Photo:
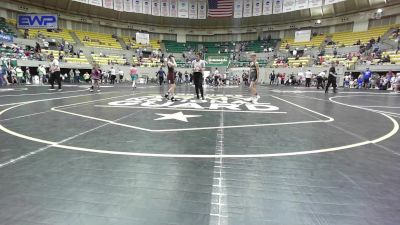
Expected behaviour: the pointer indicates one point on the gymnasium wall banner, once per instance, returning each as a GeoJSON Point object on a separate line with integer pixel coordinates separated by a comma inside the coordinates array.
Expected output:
{"type": "Point", "coordinates": [128, 5]}
{"type": "Point", "coordinates": [257, 7]}
{"type": "Point", "coordinates": [119, 5]}
{"type": "Point", "coordinates": [173, 8]}
{"type": "Point", "coordinates": [6, 38]}
{"type": "Point", "coordinates": [37, 21]}
{"type": "Point", "coordinates": [201, 9]}
{"type": "Point", "coordinates": [277, 8]}
{"type": "Point", "coordinates": [164, 8]}
{"type": "Point", "coordinates": [147, 7]}
{"type": "Point", "coordinates": [302, 36]}
{"type": "Point", "coordinates": [137, 6]}
{"type": "Point", "coordinates": [142, 38]}
{"type": "Point", "coordinates": [192, 9]}
{"type": "Point", "coordinates": [267, 7]}
{"type": "Point", "coordinates": [301, 4]}
{"type": "Point", "coordinates": [328, 2]}
{"type": "Point", "coordinates": [288, 5]}
{"type": "Point", "coordinates": [217, 60]}
{"type": "Point", "coordinates": [96, 2]}
{"type": "Point", "coordinates": [247, 8]}
{"type": "Point", "coordinates": [155, 7]}
{"type": "Point", "coordinates": [238, 9]}
{"type": "Point", "coordinates": [109, 4]}
{"type": "Point", "coordinates": [314, 3]}
{"type": "Point", "coordinates": [197, 9]}
{"type": "Point", "coordinates": [82, 1]}
{"type": "Point", "coordinates": [183, 8]}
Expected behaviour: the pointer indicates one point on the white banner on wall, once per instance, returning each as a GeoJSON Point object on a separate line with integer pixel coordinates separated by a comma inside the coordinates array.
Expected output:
{"type": "Point", "coordinates": [314, 3]}
{"type": "Point", "coordinates": [267, 7]}
{"type": "Point", "coordinates": [192, 9]}
{"type": "Point", "coordinates": [327, 2]}
{"type": "Point", "coordinates": [137, 6]}
{"type": "Point", "coordinates": [247, 8]}
{"type": "Point", "coordinates": [83, 1]}
{"type": "Point", "coordinates": [183, 8]}
{"type": "Point", "coordinates": [301, 4]}
{"type": "Point", "coordinates": [288, 5]}
{"type": "Point", "coordinates": [142, 38]}
{"type": "Point", "coordinates": [173, 8]}
{"type": "Point", "coordinates": [257, 7]}
{"type": "Point", "coordinates": [164, 9]}
{"type": "Point", "coordinates": [147, 7]}
{"type": "Point", "coordinates": [119, 5]}
{"type": "Point", "coordinates": [155, 7]}
{"type": "Point", "coordinates": [96, 2]}
{"type": "Point", "coordinates": [277, 8]}
{"type": "Point", "coordinates": [128, 6]}
{"type": "Point", "coordinates": [201, 9]}
{"type": "Point", "coordinates": [108, 4]}
{"type": "Point", "coordinates": [302, 36]}
{"type": "Point", "coordinates": [238, 9]}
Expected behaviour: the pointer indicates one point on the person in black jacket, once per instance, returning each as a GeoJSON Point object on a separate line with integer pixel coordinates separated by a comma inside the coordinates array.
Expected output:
{"type": "Point", "coordinates": [331, 78]}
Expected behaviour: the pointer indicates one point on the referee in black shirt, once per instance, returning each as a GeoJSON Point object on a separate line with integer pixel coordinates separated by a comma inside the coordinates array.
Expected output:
{"type": "Point", "coordinates": [331, 78]}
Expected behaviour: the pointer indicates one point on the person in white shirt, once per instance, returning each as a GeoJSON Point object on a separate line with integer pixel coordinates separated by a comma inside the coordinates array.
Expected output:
{"type": "Point", "coordinates": [41, 73]}
{"type": "Point", "coordinates": [320, 79]}
{"type": "Point", "coordinates": [308, 78]}
{"type": "Point", "coordinates": [113, 75]}
{"type": "Point", "coordinates": [216, 76]}
{"type": "Point", "coordinates": [198, 66]}
{"type": "Point", "coordinates": [55, 73]}
{"type": "Point", "coordinates": [77, 75]}
{"type": "Point", "coordinates": [396, 83]}
{"type": "Point", "coordinates": [121, 75]}
{"type": "Point", "coordinates": [300, 77]}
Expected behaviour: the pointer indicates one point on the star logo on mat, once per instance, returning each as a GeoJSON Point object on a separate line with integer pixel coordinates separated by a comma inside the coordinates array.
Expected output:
{"type": "Point", "coordinates": [176, 116]}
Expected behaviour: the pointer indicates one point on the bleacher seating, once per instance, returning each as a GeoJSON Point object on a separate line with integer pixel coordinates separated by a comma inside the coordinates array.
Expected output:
{"type": "Point", "coordinates": [5, 26]}
{"type": "Point", "coordinates": [154, 44]}
{"type": "Point", "coordinates": [98, 40]}
{"type": "Point", "coordinates": [340, 60]}
{"type": "Point", "coordinates": [217, 47]}
{"type": "Point", "coordinates": [7, 52]}
{"type": "Point", "coordinates": [146, 62]}
{"type": "Point", "coordinates": [175, 47]}
{"type": "Point", "coordinates": [394, 58]}
{"type": "Point", "coordinates": [350, 38]}
{"type": "Point", "coordinates": [315, 41]}
{"type": "Point", "coordinates": [109, 59]}
{"type": "Point", "coordinates": [260, 46]}
{"type": "Point", "coordinates": [293, 62]}
{"type": "Point", "coordinates": [60, 34]}
{"type": "Point", "coordinates": [81, 60]}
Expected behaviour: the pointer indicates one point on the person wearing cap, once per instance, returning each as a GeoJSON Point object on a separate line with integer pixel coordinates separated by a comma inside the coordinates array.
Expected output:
{"type": "Point", "coordinates": [55, 73]}
{"type": "Point", "coordinates": [366, 75]}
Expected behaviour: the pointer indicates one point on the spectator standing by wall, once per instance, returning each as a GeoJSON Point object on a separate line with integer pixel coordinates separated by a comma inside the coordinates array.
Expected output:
{"type": "Point", "coordinates": [308, 78]}
{"type": "Point", "coordinates": [77, 75]}
{"type": "Point", "coordinates": [113, 75]}
{"type": "Point", "coordinates": [41, 71]}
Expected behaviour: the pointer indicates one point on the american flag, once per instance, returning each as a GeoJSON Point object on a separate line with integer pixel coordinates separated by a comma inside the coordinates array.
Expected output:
{"type": "Point", "coordinates": [220, 8]}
